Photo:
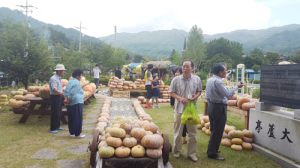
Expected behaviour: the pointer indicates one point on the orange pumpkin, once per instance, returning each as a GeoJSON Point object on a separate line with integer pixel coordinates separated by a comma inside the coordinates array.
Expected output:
{"type": "Point", "coordinates": [142, 87]}
{"type": "Point", "coordinates": [64, 82]}
{"type": "Point", "coordinates": [93, 86]}
{"type": "Point", "coordinates": [44, 92]}
{"type": "Point", "coordinates": [88, 88]}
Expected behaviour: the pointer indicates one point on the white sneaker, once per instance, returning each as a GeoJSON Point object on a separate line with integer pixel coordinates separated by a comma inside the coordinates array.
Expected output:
{"type": "Point", "coordinates": [72, 135]}
{"type": "Point", "coordinates": [153, 106]}
{"type": "Point", "coordinates": [176, 154]}
{"type": "Point", "coordinates": [80, 136]}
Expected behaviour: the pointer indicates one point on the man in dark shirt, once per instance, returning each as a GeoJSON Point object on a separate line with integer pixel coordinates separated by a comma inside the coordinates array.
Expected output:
{"type": "Point", "coordinates": [118, 73]}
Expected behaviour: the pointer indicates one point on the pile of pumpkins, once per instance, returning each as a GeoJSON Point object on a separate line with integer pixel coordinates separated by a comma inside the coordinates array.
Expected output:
{"type": "Point", "coordinates": [141, 112]}
{"type": "Point", "coordinates": [4, 100]}
{"type": "Point", "coordinates": [244, 102]}
{"type": "Point", "coordinates": [237, 139]}
{"type": "Point", "coordinates": [120, 84]}
{"type": "Point", "coordinates": [164, 90]}
{"type": "Point", "coordinates": [104, 115]}
{"type": "Point", "coordinates": [19, 98]}
{"type": "Point", "coordinates": [100, 85]}
{"type": "Point", "coordinates": [89, 89]}
{"type": "Point", "coordinates": [142, 100]}
{"type": "Point", "coordinates": [140, 83]}
{"type": "Point", "coordinates": [204, 124]}
{"type": "Point", "coordinates": [131, 137]}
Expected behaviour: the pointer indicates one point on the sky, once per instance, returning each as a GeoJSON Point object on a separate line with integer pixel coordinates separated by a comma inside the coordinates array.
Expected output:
{"type": "Point", "coordinates": [213, 16]}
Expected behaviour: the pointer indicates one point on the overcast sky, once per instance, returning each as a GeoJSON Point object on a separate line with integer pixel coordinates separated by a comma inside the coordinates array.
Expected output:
{"type": "Point", "coordinates": [213, 16]}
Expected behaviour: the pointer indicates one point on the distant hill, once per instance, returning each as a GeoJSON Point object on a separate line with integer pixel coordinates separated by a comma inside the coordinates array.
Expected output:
{"type": "Point", "coordinates": [284, 40]}
{"type": "Point", "coordinates": [72, 34]}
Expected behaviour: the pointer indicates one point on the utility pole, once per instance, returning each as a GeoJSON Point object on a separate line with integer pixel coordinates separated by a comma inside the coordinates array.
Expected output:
{"type": "Point", "coordinates": [80, 35]}
{"type": "Point", "coordinates": [115, 38]}
{"type": "Point", "coordinates": [26, 10]}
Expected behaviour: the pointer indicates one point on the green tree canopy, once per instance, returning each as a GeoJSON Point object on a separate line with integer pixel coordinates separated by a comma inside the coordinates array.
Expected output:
{"type": "Point", "coordinates": [296, 58]}
{"type": "Point", "coordinates": [272, 57]}
{"type": "Point", "coordinates": [256, 68]}
{"type": "Point", "coordinates": [176, 59]}
{"type": "Point", "coordinates": [138, 58]}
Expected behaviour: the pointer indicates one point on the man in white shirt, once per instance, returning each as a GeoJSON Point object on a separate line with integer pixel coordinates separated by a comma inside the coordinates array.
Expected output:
{"type": "Point", "coordinates": [96, 71]}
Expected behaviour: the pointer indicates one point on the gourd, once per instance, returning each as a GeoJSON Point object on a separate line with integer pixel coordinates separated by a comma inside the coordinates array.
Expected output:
{"type": "Point", "coordinates": [236, 147]}
{"type": "Point", "coordinates": [18, 92]}
{"type": "Point", "coordinates": [142, 87]}
{"type": "Point", "coordinates": [236, 134]}
{"type": "Point", "coordinates": [93, 86]}
{"type": "Point", "coordinates": [237, 141]}
{"type": "Point", "coordinates": [117, 132]}
{"type": "Point", "coordinates": [106, 151]}
{"type": "Point", "coordinates": [204, 129]}
{"type": "Point", "coordinates": [28, 96]}
{"type": "Point", "coordinates": [138, 133]}
{"type": "Point", "coordinates": [199, 126]}
{"type": "Point", "coordinates": [44, 92]}
{"type": "Point", "coordinates": [102, 143]}
{"type": "Point", "coordinates": [141, 98]}
{"type": "Point", "coordinates": [114, 142]}
{"type": "Point", "coordinates": [247, 106]}
{"type": "Point", "coordinates": [19, 97]}
{"type": "Point", "coordinates": [207, 125]}
{"type": "Point", "coordinates": [107, 135]}
{"type": "Point", "coordinates": [88, 88]}
{"type": "Point", "coordinates": [234, 97]}
{"type": "Point", "coordinates": [206, 119]}
{"type": "Point", "coordinates": [232, 102]}
{"type": "Point", "coordinates": [129, 142]}
{"type": "Point", "coordinates": [16, 104]}
{"type": "Point", "coordinates": [148, 119]}
{"type": "Point", "coordinates": [102, 119]}
{"type": "Point", "coordinates": [127, 125]}
{"type": "Point", "coordinates": [149, 133]}
{"type": "Point", "coordinates": [248, 133]}
{"type": "Point", "coordinates": [150, 127]}
{"type": "Point", "coordinates": [152, 141]}
{"type": "Point", "coordinates": [102, 139]}
{"type": "Point", "coordinates": [100, 129]}
{"type": "Point", "coordinates": [228, 128]}
{"type": "Point", "coordinates": [226, 142]}
{"type": "Point", "coordinates": [225, 135]}
{"type": "Point", "coordinates": [138, 151]}
{"type": "Point", "coordinates": [247, 146]}
{"type": "Point", "coordinates": [246, 139]}
{"type": "Point", "coordinates": [207, 131]}
{"type": "Point", "coordinates": [241, 101]}
{"type": "Point", "coordinates": [31, 88]}
{"type": "Point", "coordinates": [154, 153]}
{"type": "Point", "coordinates": [202, 122]}
{"type": "Point", "coordinates": [64, 82]}
{"type": "Point", "coordinates": [122, 151]}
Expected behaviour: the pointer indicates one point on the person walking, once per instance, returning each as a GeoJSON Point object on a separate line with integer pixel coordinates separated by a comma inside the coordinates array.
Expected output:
{"type": "Point", "coordinates": [56, 98]}
{"type": "Point", "coordinates": [118, 73]}
{"type": "Point", "coordinates": [148, 83]}
{"type": "Point", "coordinates": [182, 88]}
{"type": "Point", "coordinates": [131, 74]}
{"type": "Point", "coordinates": [216, 95]}
{"type": "Point", "coordinates": [74, 101]}
{"type": "Point", "coordinates": [155, 90]}
{"type": "Point", "coordinates": [97, 72]}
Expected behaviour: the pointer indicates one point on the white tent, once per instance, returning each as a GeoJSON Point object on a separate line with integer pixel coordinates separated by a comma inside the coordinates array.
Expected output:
{"type": "Point", "coordinates": [283, 62]}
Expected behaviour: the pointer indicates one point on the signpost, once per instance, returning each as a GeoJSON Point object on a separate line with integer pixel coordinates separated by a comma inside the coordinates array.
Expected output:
{"type": "Point", "coordinates": [121, 94]}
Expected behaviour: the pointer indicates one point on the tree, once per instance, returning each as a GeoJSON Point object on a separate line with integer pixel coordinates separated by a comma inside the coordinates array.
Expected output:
{"type": "Point", "coordinates": [296, 58]}
{"type": "Point", "coordinates": [272, 57]}
{"type": "Point", "coordinates": [256, 68]}
{"type": "Point", "coordinates": [173, 52]}
{"type": "Point", "coordinates": [22, 53]}
{"type": "Point", "coordinates": [137, 58]}
{"type": "Point", "coordinates": [195, 46]}
{"type": "Point", "coordinates": [176, 59]}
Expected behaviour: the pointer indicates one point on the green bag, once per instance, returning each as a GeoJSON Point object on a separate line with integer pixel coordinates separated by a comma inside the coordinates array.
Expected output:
{"type": "Point", "coordinates": [190, 115]}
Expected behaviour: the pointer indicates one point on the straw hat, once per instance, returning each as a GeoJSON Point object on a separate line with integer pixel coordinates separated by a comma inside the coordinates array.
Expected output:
{"type": "Point", "coordinates": [60, 67]}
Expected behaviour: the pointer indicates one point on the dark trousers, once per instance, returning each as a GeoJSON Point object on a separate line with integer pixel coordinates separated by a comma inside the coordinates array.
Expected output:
{"type": "Point", "coordinates": [184, 131]}
{"type": "Point", "coordinates": [75, 119]}
{"type": "Point", "coordinates": [172, 101]}
{"type": "Point", "coordinates": [130, 78]}
{"type": "Point", "coordinates": [217, 117]}
{"type": "Point", "coordinates": [56, 104]}
{"type": "Point", "coordinates": [96, 81]}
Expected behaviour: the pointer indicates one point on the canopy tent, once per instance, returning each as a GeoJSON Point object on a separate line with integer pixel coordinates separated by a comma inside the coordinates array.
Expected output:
{"type": "Point", "coordinates": [157, 64]}
{"type": "Point", "coordinates": [283, 63]}
{"type": "Point", "coordinates": [136, 66]}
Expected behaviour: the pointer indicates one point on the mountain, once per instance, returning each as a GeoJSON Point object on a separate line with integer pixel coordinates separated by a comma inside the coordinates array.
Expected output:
{"type": "Point", "coordinates": [73, 34]}
{"type": "Point", "coordinates": [284, 40]}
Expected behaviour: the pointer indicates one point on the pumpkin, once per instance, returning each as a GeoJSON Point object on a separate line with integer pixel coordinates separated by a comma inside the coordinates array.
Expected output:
{"type": "Point", "coordinates": [31, 88]}
{"type": "Point", "coordinates": [202, 122]}
{"type": "Point", "coordinates": [102, 143]}
{"type": "Point", "coordinates": [207, 125]}
{"type": "Point", "coordinates": [247, 146]}
{"type": "Point", "coordinates": [64, 82]}
{"type": "Point", "coordinates": [247, 106]}
{"type": "Point", "coordinates": [88, 88]}
{"type": "Point", "coordinates": [236, 134]}
{"type": "Point", "coordinates": [24, 91]}
{"type": "Point", "coordinates": [138, 133]}
{"type": "Point", "coordinates": [147, 118]}
{"type": "Point", "coordinates": [106, 151]}
{"type": "Point", "coordinates": [115, 126]}
{"type": "Point", "coordinates": [138, 151]}
{"type": "Point", "coordinates": [237, 141]}
{"type": "Point", "coordinates": [102, 119]}
{"type": "Point", "coordinates": [102, 139]}
{"type": "Point", "coordinates": [44, 92]}
{"type": "Point", "coordinates": [241, 101]}
{"type": "Point", "coordinates": [199, 126]}
{"type": "Point", "coordinates": [149, 133]}
{"type": "Point", "coordinates": [154, 153]}
{"type": "Point", "coordinates": [115, 142]}
{"type": "Point", "coordinates": [122, 151]}
{"type": "Point", "coordinates": [246, 139]}
{"type": "Point", "coordinates": [203, 129]}
{"type": "Point", "coordinates": [226, 142]}
{"type": "Point", "coordinates": [127, 125]}
{"type": "Point", "coordinates": [129, 142]}
{"type": "Point", "coordinates": [37, 88]}
{"type": "Point", "coordinates": [117, 132]}
{"type": "Point", "coordinates": [100, 129]}
{"type": "Point", "coordinates": [232, 102]}
{"type": "Point", "coordinates": [206, 119]}
{"type": "Point", "coordinates": [93, 86]}
{"type": "Point", "coordinates": [138, 122]}
{"type": "Point", "coordinates": [150, 127]}
{"type": "Point", "coordinates": [16, 104]}
{"type": "Point", "coordinates": [28, 96]}
{"type": "Point", "coordinates": [228, 128]}
{"type": "Point", "coordinates": [19, 97]}
{"type": "Point", "coordinates": [127, 136]}
{"type": "Point", "coordinates": [152, 141]}
{"type": "Point", "coordinates": [142, 87]}
{"type": "Point", "coordinates": [101, 124]}
{"type": "Point", "coordinates": [225, 135]}
{"type": "Point", "coordinates": [234, 97]}
{"type": "Point", "coordinates": [236, 147]}
{"type": "Point", "coordinates": [107, 135]}
{"type": "Point", "coordinates": [248, 133]}
{"type": "Point", "coordinates": [18, 92]}
{"type": "Point", "coordinates": [207, 132]}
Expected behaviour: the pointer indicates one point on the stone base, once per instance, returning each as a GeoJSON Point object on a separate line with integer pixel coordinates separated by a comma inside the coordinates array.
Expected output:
{"type": "Point", "coordinates": [262, 106]}
{"type": "Point", "coordinates": [297, 114]}
{"type": "Point", "coordinates": [282, 161]}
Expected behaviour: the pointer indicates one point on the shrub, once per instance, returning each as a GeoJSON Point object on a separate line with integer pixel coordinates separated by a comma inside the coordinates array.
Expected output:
{"type": "Point", "coordinates": [203, 82]}
{"type": "Point", "coordinates": [167, 81]}
{"type": "Point", "coordinates": [257, 82]}
{"type": "Point", "coordinates": [127, 78]}
{"type": "Point", "coordinates": [256, 93]}
{"type": "Point", "coordinates": [202, 75]}
{"type": "Point", "coordinates": [104, 79]}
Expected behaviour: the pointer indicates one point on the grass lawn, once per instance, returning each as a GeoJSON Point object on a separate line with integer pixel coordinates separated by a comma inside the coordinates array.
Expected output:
{"type": "Point", "coordinates": [164, 119]}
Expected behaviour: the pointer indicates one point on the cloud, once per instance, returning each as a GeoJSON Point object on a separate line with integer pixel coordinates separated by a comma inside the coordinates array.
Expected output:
{"type": "Point", "coordinates": [276, 23]}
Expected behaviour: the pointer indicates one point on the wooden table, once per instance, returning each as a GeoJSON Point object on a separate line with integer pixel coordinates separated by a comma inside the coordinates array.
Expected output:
{"type": "Point", "coordinates": [129, 90]}
{"type": "Point", "coordinates": [28, 110]}
{"type": "Point", "coordinates": [234, 109]}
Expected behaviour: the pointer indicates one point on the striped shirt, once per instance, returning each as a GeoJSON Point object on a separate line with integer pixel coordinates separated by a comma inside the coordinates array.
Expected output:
{"type": "Point", "coordinates": [217, 92]}
{"type": "Point", "coordinates": [74, 92]}
{"type": "Point", "coordinates": [183, 87]}
{"type": "Point", "coordinates": [55, 82]}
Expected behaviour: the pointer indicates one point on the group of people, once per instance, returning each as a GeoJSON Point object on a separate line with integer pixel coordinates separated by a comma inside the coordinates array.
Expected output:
{"type": "Point", "coordinates": [187, 87]}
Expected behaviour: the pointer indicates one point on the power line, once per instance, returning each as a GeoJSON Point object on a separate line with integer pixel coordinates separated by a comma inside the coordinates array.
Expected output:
{"type": "Point", "coordinates": [26, 10]}
{"type": "Point", "coordinates": [80, 35]}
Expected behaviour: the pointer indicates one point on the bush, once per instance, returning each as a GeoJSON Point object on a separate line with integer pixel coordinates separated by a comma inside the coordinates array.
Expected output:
{"type": "Point", "coordinates": [203, 83]}
{"type": "Point", "coordinates": [127, 78]}
{"type": "Point", "coordinates": [104, 79]}
{"type": "Point", "coordinates": [202, 75]}
{"type": "Point", "coordinates": [256, 93]}
{"type": "Point", "coordinates": [257, 82]}
{"type": "Point", "coordinates": [167, 81]}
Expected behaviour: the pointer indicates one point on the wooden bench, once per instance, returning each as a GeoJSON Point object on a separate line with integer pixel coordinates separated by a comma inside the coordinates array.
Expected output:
{"type": "Point", "coordinates": [234, 109]}
{"type": "Point", "coordinates": [87, 100]}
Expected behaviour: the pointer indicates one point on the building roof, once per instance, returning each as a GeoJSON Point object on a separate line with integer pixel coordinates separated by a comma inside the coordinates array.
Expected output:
{"type": "Point", "coordinates": [157, 64]}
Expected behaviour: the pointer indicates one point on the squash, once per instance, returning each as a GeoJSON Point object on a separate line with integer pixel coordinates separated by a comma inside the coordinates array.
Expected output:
{"type": "Point", "coordinates": [228, 128]}
{"type": "Point", "coordinates": [127, 125]}
{"type": "Point", "coordinates": [225, 135]}
{"type": "Point", "coordinates": [150, 127]}
{"type": "Point", "coordinates": [64, 82]}
{"type": "Point", "coordinates": [226, 142]}
{"type": "Point", "coordinates": [237, 141]}
{"type": "Point", "coordinates": [18, 92]}
{"type": "Point", "coordinates": [152, 141]}
{"type": "Point", "coordinates": [129, 142]}
{"type": "Point", "coordinates": [154, 153]}
{"type": "Point", "coordinates": [114, 142]}
{"type": "Point", "coordinates": [31, 88]}
{"type": "Point", "coordinates": [202, 122]}
{"type": "Point", "coordinates": [117, 132]}
{"type": "Point", "coordinates": [247, 146]}
{"type": "Point", "coordinates": [122, 151]}
{"type": "Point", "coordinates": [236, 134]}
{"type": "Point", "coordinates": [44, 92]}
{"type": "Point", "coordinates": [204, 129]}
{"type": "Point", "coordinates": [207, 125]}
{"type": "Point", "coordinates": [206, 119]}
{"type": "Point", "coordinates": [106, 151]}
{"type": "Point", "coordinates": [107, 135]}
{"type": "Point", "coordinates": [246, 139]}
{"type": "Point", "coordinates": [102, 139]}
{"type": "Point", "coordinates": [199, 126]}
{"type": "Point", "coordinates": [16, 104]}
{"type": "Point", "coordinates": [88, 88]}
{"type": "Point", "coordinates": [147, 118]}
{"type": "Point", "coordinates": [24, 91]}
{"type": "Point", "coordinates": [207, 131]}
{"type": "Point", "coordinates": [138, 151]}
{"type": "Point", "coordinates": [236, 147]}
{"type": "Point", "coordinates": [19, 97]}
{"type": "Point", "coordinates": [247, 106]}
{"type": "Point", "coordinates": [248, 133]}
{"type": "Point", "coordinates": [232, 102]}
{"type": "Point", "coordinates": [28, 96]}
{"type": "Point", "coordinates": [234, 97]}
{"type": "Point", "coordinates": [102, 143]}
{"type": "Point", "coordinates": [102, 119]}
{"type": "Point", "coordinates": [93, 86]}
{"type": "Point", "coordinates": [138, 133]}
{"type": "Point", "coordinates": [100, 129]}
{"type": "Point", "coordinates": [241, 101]}
{"type": "Point", "coordinates": [142, 87]}
{"type": "Point", "coordinates": [149, 133]}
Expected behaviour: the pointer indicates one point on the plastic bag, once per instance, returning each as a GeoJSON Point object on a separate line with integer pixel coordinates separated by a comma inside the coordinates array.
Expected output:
{"type": "Point", "coordinates": [190, 115]}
